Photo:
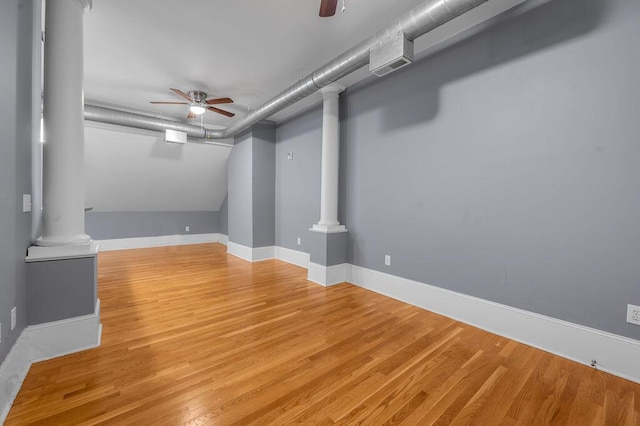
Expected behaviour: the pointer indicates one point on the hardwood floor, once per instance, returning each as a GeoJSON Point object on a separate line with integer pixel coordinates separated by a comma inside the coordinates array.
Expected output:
{"type": "Point", "coordinates": [193, 336]}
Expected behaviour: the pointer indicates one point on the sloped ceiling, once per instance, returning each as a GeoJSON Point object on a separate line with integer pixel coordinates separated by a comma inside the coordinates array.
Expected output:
{"type": "Point", "coordinates": [133, 170]}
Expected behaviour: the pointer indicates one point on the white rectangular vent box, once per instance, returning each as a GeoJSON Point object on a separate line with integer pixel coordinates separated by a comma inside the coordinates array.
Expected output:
{"type": "Point", "coordinates": [175, 136]}
{"type": "Point", "coordinates": [390, 55]}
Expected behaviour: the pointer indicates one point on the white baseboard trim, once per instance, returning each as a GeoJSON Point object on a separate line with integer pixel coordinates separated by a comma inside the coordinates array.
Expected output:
{"type": "Point", "coordinates": [615, 354]}
{"type": "Point", "coordinates": [238, 250]}
{"type": "Point", "coordinates": [58, 338]}
{"type": "Point", "coordinates": [222, 239]}
{"type": "Point", "coordinates": [329, 275]}
{"type": "Point", "coordinates": [263, 253]}
{"type": "Point", "coordinates": [13, 371]}
{"type": "Point", "coordinates": [159, 241]}
{"type": "Point", "coordinates": [295, 257]}
{"type": "Point", "coordinates": [41, 342]}
{"type": "Point", "coordinates": [250, 254]}
{"type": "Point", "coordinates": [257, 254]}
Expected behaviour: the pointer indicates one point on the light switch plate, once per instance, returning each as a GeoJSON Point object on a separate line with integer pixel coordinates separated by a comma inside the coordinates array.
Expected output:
{"type": "Point", "coordinates": [26, 202]}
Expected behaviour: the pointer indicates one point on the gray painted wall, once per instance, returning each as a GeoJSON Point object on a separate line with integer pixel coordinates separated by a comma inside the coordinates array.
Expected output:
{"type": "Point", "coordinates": [58, 289]}
{"type": "Point", "coordinates": [264, 175]}
{"type": "Point", "coordinates": [240, 195]}
{"type": "Point", "coordinates": [328, 249]}
{"type": "Point", "coordinates": [504, 167]}
{"type": "Point", "coordinates": [251, 194]}
{"type": "Point", "coordinates": [15, 162]}
{"type": "Point", "coordinates": [108, 225]}
{"type": "Point", "coordinates": [224, 217]}
{"type": "Point", "coordinates": [298, 180]}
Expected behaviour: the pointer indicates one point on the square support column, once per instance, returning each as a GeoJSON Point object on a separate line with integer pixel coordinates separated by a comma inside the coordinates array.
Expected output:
{"type": "Point", "coordinates": [251, 197]}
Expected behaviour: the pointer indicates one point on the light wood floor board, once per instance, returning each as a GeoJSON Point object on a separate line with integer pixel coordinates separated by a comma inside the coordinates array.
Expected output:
{"type": "Point", "coordinates": [194, 336]}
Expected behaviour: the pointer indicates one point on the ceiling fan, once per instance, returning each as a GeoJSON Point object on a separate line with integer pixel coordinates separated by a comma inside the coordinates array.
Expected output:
{"type": "Point", "coordinates": [328, 8]}
{"type": "Point", "coordinates": [198, 103]}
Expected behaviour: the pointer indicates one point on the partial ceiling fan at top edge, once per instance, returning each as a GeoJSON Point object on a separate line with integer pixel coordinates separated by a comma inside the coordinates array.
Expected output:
{"type": "Point", "coordinates": [328, 8]}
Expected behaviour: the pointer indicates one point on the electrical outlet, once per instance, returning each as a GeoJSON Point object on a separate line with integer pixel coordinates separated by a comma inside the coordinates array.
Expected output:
{"type": "Point", "coordinates": [289, 155]}
{"type": "Point", "coordinates": [186, 229]}
{"type": "Point", "coordinates": [387, 260]}
{"type": "Point", "coordinates": [13, 318]}
{"type": "Point", "coordinates": [299, 240]}
{"type": "Point", "coordinates": [633, 314]}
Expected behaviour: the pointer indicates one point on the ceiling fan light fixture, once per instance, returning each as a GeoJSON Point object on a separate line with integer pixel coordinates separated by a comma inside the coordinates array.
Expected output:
{"type": "Point", "coordinates": [197, 109]}
{"type": "Point", "coordinates": [198, 103]}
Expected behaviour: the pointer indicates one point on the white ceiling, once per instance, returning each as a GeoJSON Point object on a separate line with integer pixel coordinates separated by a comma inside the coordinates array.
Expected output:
{"type": "Point", "coordinates": [248, 50]}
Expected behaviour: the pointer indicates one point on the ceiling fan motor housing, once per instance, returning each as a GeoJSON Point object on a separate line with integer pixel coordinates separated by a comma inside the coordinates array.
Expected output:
{"type": "Point", "coordinates": [197, 96]}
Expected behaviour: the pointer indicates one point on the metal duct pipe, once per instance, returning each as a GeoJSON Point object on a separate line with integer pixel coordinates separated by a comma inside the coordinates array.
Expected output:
{"type": "Point", "coordinates": [139, 121]}
{"type": "Point", "coordinates": [418, 21]}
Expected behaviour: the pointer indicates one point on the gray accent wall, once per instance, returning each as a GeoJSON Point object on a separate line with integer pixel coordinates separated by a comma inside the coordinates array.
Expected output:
{"type": "Point", "coordinates": [298, 180]}
{"type": "Point", "coordinates": [263, 180]}
{"type": "Point", "coordinates": [112, 225]}
{"type": "Point", "coordinates": [503, 167]}
{"type": "Point", "coordinates": [328, 249]}
{"type": "Point", "coordinates": [224, 217]}
{"type": "Point", "coordinates": [240, 193]}
{"type": "Point", "coordinates": [15, 162]}
{"type": "Point", "coordinates": [251, 194]}
{"type": "Point", "coordinates": [58, 289]}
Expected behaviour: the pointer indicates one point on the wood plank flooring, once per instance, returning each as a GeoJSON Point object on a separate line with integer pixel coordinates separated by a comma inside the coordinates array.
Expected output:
{"type": "Point", "coordinates": [193, 336]}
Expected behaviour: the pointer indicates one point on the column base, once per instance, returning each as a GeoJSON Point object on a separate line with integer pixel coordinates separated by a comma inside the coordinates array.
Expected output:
{"type": "Point", "coordinates": [328, 229]}
{"type": "Point", "coordinates": [60, 289]}
{"type": "Point", "coordinates": [74, 240]}
{"type": "Point", "coordinates": [40, 253]}
{"type": "Point", "coordinates": [329, 275]}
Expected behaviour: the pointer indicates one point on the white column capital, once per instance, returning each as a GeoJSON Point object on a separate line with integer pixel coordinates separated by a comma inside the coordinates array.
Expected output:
{"type": "Point", "coordinates": [332, 89]}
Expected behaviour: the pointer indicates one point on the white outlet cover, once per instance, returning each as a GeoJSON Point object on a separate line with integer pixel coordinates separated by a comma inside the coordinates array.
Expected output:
{"type": "Point", "coordinates": [299, 240]}
{"type": "Point", "coordinates": [633, 314]}
{"type": "Point", "coordinates": [387, 260]}
{"type": "Point", "coordinates": [13, 318]}
{"type": "Point", "coordinates": [26, 202]}
{"type": "Point", "coordinates": [186, 228]}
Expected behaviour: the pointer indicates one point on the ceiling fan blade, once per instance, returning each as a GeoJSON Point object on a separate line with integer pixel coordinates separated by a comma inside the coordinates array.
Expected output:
{"type": "Point", "coordinates": [219, 101]}
{"type": "Point", "coordinates": [328, 8]}
{"type": "Point", "coordinates": [221, 111]}
{"type": "Point", "coordinates": [169, 103]}
{"type": "Point", "coordinates": [191, 115]}
{"type": "Point", "coordinates": [182, 94]}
